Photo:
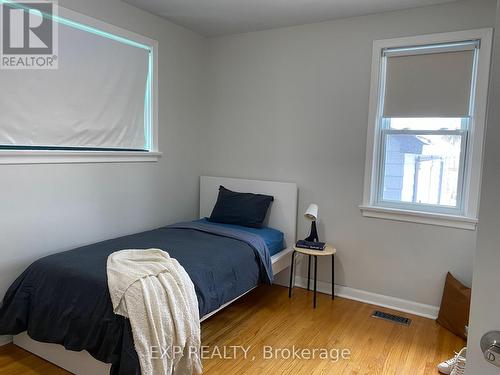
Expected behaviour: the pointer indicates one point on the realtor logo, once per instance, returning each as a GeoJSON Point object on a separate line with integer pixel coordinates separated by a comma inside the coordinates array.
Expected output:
{"type": "Point", "coordinates": [29, 35]}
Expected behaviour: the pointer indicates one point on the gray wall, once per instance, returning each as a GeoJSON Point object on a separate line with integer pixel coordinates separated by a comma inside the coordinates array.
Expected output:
{"type": "Point", "coordinates": [288, 104]}
{"type": "Point", "coordinates": [485, 295]}
{"type": "Point", "coordinates": [50, 208]}
{"type": "Point", "coordinates": [291, 104]}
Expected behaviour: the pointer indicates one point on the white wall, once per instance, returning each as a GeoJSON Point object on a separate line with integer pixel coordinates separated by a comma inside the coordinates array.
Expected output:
{"type": "Point", "coordinates": [485, 308]}
{"type": "Point", "coordinates": [291, 104]}
{"type": "Point", "coordinates": [50, 208]}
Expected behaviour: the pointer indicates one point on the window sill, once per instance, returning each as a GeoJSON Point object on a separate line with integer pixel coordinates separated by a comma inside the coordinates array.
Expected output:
{"type": "Point", "coordinates": [451, 221]}
{"type": "Point", "coordinates": [60, 157]}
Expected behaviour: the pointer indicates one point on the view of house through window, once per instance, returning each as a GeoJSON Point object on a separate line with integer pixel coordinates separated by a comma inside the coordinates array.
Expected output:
{"type": "Point", "coordinates": [422, 160]}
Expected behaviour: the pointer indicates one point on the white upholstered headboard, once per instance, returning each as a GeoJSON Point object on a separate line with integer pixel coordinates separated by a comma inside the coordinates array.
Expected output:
{"type": "Point", "coordinates": [283, 210]}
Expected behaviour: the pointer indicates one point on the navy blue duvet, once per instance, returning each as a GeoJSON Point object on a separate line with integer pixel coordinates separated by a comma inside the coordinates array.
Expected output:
{"type": "Point", "coordinates": [64, 299]}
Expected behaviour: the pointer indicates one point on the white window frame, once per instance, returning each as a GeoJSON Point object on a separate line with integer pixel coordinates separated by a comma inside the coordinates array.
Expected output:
{"type": "Point", "coordinates": [466, 218]}
{"type": "Point", "coordinates": [16, 156]}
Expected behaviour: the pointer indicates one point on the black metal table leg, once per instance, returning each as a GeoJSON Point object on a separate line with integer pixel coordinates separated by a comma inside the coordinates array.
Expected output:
{"type": "Point", "coordinates": [315, 278]}
{"type": "Point", "coordinates": [309, 273]}
{"type": "Point", "coordinates": [291, 276]}
{"type": "Point", "coordinates": [333, 276]}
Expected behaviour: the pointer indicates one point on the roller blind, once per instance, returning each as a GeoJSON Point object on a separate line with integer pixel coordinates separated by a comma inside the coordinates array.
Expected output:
{"type": "Point", "coordinates": [95, 99]}
{"type": "Point", "coordinates": [429, 84]}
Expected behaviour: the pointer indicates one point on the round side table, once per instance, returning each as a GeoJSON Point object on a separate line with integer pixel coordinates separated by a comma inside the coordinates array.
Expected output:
{"type": "Point", "coordinates": [328, 250]}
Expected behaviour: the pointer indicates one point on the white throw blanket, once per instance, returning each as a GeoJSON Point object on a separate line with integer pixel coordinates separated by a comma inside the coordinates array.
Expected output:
{"type": "Point", "coordinates": [154, 291]}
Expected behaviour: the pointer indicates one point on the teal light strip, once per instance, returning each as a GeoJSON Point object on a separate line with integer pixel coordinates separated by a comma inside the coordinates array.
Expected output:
{"type": "Point", "coordinates": [148, 121]}
{"type": "Point", "coordinates": [77, 25]}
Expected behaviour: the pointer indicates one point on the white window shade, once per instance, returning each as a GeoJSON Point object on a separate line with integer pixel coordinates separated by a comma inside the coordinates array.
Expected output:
{"type": "Point", "coordinates": [97, 98]}
{"type": "Point", "coordinates": [429, 84]}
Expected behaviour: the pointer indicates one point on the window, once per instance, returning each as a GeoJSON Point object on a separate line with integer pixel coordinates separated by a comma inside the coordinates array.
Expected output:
{"type": "Point", "coordinates": [98, 105]}
{"type": "Point", "coordinates": [427, 116]}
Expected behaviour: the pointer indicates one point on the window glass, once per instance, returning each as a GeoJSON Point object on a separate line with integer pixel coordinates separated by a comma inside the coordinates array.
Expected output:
{"type": "Point", "coordinates": [422, 169]}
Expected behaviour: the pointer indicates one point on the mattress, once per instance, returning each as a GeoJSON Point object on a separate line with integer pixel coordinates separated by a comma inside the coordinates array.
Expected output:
{"type": "Point", "coordinates": [273, 238]}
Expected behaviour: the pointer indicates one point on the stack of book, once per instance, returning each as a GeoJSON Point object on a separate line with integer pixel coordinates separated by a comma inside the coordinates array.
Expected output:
{"type": "Point", "coordinates": [303, 244]}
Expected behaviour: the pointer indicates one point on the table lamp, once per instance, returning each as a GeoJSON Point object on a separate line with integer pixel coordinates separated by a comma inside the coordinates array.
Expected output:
{"type": "Point", "coordinates": [312, 214]}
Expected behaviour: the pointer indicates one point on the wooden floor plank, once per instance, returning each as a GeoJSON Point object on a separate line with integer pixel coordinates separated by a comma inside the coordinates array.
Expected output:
{"type": "Point", "coordinates": [267, 318]}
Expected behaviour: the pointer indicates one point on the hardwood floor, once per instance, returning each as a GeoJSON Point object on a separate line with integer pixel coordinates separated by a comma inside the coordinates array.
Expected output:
{"type": "Point", "coordinates": [16, 361]}
{"type": "Point", "coordinates": [266, 321]}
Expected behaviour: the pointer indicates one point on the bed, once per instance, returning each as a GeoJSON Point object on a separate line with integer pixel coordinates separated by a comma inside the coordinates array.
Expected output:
{"type": "Point", "coordinates": [227, 269]}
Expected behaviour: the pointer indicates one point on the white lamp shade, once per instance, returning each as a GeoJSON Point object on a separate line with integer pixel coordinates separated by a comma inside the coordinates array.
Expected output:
{"type": "Point", "coordinates": [312, 212]}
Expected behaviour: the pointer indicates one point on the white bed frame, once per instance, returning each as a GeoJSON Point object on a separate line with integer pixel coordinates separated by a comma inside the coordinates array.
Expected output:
{"type": "Point", "coordinates": [282, 216]}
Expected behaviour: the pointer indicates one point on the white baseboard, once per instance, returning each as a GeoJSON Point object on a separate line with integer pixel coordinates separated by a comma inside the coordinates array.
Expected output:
{"type": "Point", "coordinates": [415, 308]}
{"type": "Point", "coordinates": [5, 340]}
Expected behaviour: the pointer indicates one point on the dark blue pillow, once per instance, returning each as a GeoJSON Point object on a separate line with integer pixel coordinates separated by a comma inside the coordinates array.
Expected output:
{"type": "Point", "coordinates": [246, 209]}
